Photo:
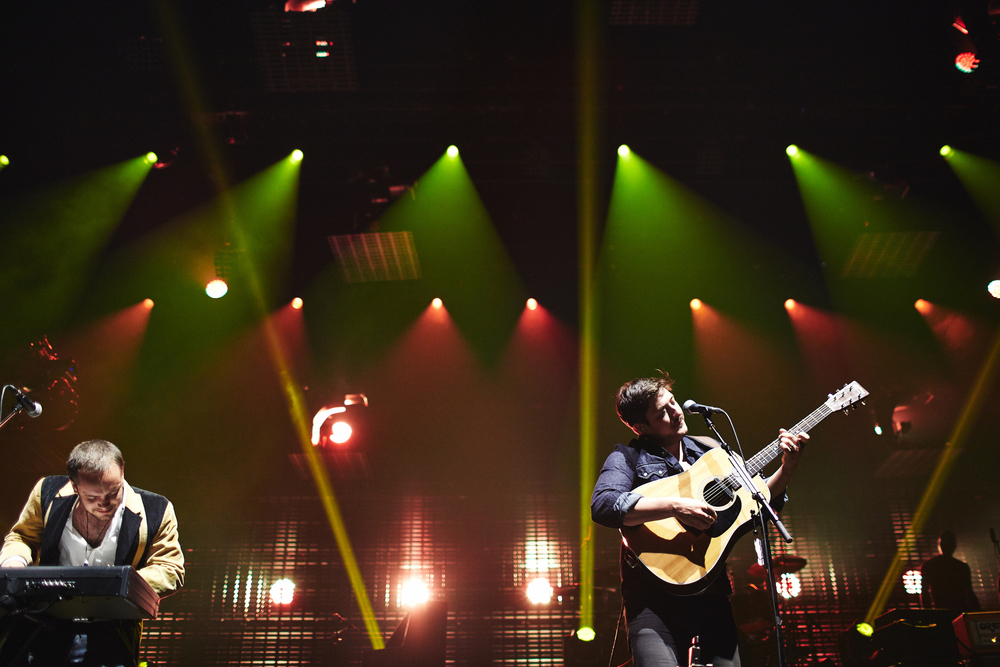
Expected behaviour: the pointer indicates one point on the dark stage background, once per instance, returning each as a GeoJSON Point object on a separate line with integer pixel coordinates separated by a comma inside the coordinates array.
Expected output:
{"type": "Point", "coordinates": [465, 467]}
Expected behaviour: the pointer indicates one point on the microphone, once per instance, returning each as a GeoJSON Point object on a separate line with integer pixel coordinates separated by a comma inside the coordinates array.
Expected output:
{"type": "Point", "coordinates": [691, 408]}
{"type": "Point", "coordinates": [30, 407]}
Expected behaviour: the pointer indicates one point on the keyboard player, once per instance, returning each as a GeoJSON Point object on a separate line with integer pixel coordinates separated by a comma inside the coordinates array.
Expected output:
{"type": "Point", "coordinates": [92, 517]}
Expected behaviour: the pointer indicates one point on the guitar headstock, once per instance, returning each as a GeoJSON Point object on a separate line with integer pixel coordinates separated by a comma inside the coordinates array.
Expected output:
{"type": "Point", "coordinates": [849, 396]}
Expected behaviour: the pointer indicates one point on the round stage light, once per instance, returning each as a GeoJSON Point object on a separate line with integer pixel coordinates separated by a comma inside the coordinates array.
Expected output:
{"type": "Point", "coordinates": [341, 432]}
{"type": "Point", "coordinates": [217, 288]}
{"type": "Point", "coordinates": [531, 304]}
{"type": "Point", "coordinates": [946, 151]}
{"type": "Point", "coordinates": [540, 591]}
{"type": "Point", "coordinates": [966, 62]}
{"type": "Point", "coordinates": [437, 303]}
{"type": "Point", "coordinates": [586, 634]}
{"type": "Point", "coordinates": [790, 304]}
{"type": "Point", "coordinates": [151, 157]}
{"type": "Point", "coordinates": [696, 304]}
{"type": "Point", "coordinates": [994, 289]}
{"type": "Point", "coordinates": [921, 305]}
{"type": "Point", "coordinates": [148, 303]}
{"type": "Point", "coordinates": [878, 430]}
{"type": "Point", "coordinates": [864, 629]}
{"type": "Point", "coordinates": [792, 150]}
{"type": "Point", "coordinates": [297, 303]}
{"type": "Point", "coordinates": [296, 156]}
{"type": "Point", "coordinates": [624, 151]}
{"type": "Point", "coordinates": [788, 586]}
{"type": "Point", "coordinates": [913, 582]}
{"type": "Point", "coordinates": [452, 151]}
{"type": "Point", "coordinates": [4, 160]}
{"type": "Point", "coordinates": [282, 591]}
{"type": "Point", "coordinates": [414, 592]}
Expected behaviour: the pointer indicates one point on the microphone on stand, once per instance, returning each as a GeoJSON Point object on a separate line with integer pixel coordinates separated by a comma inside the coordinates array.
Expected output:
{"type": "Point", "coordinates": [31, 408]}
{"type": "Point", "coordinates": [692, 408]}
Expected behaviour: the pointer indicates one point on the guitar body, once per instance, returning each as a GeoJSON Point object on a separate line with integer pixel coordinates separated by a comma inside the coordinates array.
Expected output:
{"type": "Point", "coordinates": [687, 560]}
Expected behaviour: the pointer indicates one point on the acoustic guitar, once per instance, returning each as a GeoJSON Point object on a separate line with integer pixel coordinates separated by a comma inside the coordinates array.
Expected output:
{"type": "Point", "coordinates": [686, 559]}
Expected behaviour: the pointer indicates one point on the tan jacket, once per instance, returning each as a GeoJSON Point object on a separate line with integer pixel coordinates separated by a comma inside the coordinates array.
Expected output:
{"type": "Point", "coordinates": [159, 560]}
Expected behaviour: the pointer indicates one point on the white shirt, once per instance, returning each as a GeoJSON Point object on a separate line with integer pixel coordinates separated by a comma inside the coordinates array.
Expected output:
{"type": "Point", "coordinates": [74, 548]}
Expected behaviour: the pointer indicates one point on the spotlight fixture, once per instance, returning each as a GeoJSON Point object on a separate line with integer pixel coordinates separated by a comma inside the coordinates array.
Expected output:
{"type": "Point", "coordinates": [297, 303]}
{"type": "Point", "coordinates": [946, 151]}
{"type": "Point", "coordinates": [148, 303]}
{"type": "Point", "coordinates": [415, 592]}
{"type": "Point", "coordinates": [216, 288]}
{"type": "Point", "coordinates": [624, 151]}
{"type": "Point", "coordinates": [437, 303]}
{"type": "Point", "coordinates": [696, 304]}
{"type": "Point", "coordinates": [4, 160]}
{"type": "Point", "coordinates": [296, 156]}
{"type": "Point", "coordinates": [539, 591]}
{"type": "Point", "coordinates": [792, 150]}
{"type": "Point", "coordinates": [282, 591]}
{"type": "Point", "coordinates": [994, 289]}
{"type": "Point", "coordinates": [531, 304]}
{"type": "Point", "coordinates": [790, 304]}
{"type": "Point", "coordinates": [922, 306]}
{"type": "Point", "coordinates": [150, 157]}
{"type": "Point", "coordinates": [453, 151]}
{"type": "Point", "coordinates": [913, 582]}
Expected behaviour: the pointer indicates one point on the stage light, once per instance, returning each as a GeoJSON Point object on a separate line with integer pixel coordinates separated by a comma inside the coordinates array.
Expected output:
{"type": "Point", "coordinates": [414, 593]}
{"type": "Point", "coordinates": [341, 432]}
{"type": "Point", "coordinates": [864, 629]}
{"type": "Point", "coordinates": [151, 157]}
{"type": "Point", "coordinates": [994, 289]}
{"type": "Point", "coordinates": [531, 304]}
{"type": "Point", "coordinates": [624, 151]}
{"type": "Point", "coordinates": [696, 304]}
{"type": "Point", "coordinates": [217, 288]}
{"type": "Point", "coordinates": [297, 303]}
{"type": "Point", "coordinates": [790, 304]}
{"type": "Point", "coordinates": [148, 303]}
{"type": "Point", "coordinates": [296, 156]}
{"type": "Point", "coordinates": [913, 582]}
{"type": "Point", "coordinates": [792, 150]}
{"type": "Point", "coordinates": [320, 418]}
{"type": "Point", "coordinates": [788, 586]}
{"type": "Point", "coordinates": [453, 151]}
{"type": "Point", "coordinates": [4, 160]}
{"type": "Point", "coordinates": [946, 151]}
{"type": "Point", "coordinates": [586, 634]}
{"type": "Point", "coordinates": [437, 303]}
{"type": "Point", "coordinates": [966, 62]}
{"type": "Point", "coordinates": [878, 430]}
{"type": "Point", "coordinates": [282, 591]}
{"type": "Point", "coordinates": [540, 591]}
{"type": "Point", "coordinates": [922, 306]}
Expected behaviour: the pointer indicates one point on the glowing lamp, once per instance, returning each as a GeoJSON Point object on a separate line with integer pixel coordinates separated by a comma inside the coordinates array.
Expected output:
{"type": "Point", "coordinates": [788, 586]}
{"type": "Point", "coordinates": [790, 304]}
{"type": "Point", "coordinates": [624, 151]}
{"type": "Point", "coordinates": [586, 634]}
{"type": "Point", "coordinates": [531, 304]}
{"type": "Point", "coordinates": [994, 289]}
{"type": "Point", "coordinates": [341, 432]}
{"type": "Point", "coordinates": [696, 304]}
{"type": "Point", "coordinates": [217, 288]}
{"type": "Point", "coordinates": [414, 593]}
{"type": "Point", "coordinates": [282, 591]}
{"type": "Point", "coordinates": [452, 151]}
{"type": "Point", "coordinates": [322, 54]}
{"type": "Point", "coordinates": [946, 151]}
{"type": "Point", "coordinates": [437, 303]}
{"type": "Point", "coordinates": [539, 591]}
{"type": "Point", "coordinates": [966, 62]}
{"type": "Point", "coordinates": [913, 582]}
{"type": "Point", "coordinates": [148, 303]}
{"type": "Point", "coordinates": [4, 160]}
{"type": "Point", "coordinates": [151, 157]}
{"type": "Point", "coordinates": [792, 150]}
{"type": "Point", "coordinates": [297, 303]}
{"type": "Point", "coordinates": [296, 156]}
{"type": "Point", "coordinates": [864, 629]}
{"type": "Point", "coordinates": [922, 306]}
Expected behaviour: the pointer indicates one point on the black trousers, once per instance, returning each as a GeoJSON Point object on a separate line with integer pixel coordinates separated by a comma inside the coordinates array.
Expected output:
{"type": "Point", "coordinates": [660, 631]}
{"type": "Point", "coordinates": [27, 642]}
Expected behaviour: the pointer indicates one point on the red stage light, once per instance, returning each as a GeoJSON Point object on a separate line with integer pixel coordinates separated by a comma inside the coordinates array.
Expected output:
{"type": "Point", "coordinates": [437, 303]}
{"type": "Point", "coordinates": [790, 304]}
{"type": "Point", "coordinates": [922, 306]}
{"type": "Point", "coordinates": [532, 304]}
{"type": "Point", "coordinates": [696, 304]}
{"type": "Point", "coordinates": [966, 62]}
{"type": "Point", "coordinates": [297, 303]}
{"type": "Point", "coordinates": [148, 303]}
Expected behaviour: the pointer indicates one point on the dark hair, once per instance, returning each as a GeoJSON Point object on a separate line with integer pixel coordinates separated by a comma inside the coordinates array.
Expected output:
{"type": "Point", "coordinates": [93, 457]}
{"type": "Point", "coordinates": [946, 542]}
{"type": "Point", "coordinates": [634, 396]}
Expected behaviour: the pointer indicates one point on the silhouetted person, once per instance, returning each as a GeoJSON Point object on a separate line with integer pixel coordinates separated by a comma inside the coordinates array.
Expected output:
{"type": "Point", "coordinates": [947, 581]}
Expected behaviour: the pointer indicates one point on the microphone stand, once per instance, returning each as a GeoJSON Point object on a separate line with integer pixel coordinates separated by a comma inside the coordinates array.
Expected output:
{"type": "Point", "coordinates": [760, 523]}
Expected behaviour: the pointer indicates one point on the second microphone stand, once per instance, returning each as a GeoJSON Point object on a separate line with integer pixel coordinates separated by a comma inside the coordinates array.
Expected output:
{"type": "Point", "coordinates": [760, 518]}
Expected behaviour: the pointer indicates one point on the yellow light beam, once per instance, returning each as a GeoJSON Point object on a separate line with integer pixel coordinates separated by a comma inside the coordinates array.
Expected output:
{"type": "Point", "coordinates": [951, 451]}
{"type": "Point", "coordinates": [191, 90]}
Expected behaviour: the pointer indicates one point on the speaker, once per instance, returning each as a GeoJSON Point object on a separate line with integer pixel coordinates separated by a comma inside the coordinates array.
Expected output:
{"type": "Point", "coordinates": [978, 632]}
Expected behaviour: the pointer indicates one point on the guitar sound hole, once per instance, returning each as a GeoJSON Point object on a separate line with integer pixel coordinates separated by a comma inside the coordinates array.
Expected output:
{"type": "Point", "coordinates": [717, 494]}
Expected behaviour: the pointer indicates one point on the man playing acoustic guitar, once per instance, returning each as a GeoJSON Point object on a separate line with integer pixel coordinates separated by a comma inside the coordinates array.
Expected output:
{"type": "Point", "coordinates": [660, 623]}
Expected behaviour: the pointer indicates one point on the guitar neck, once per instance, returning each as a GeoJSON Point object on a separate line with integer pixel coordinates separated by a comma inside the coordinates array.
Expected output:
{"type": "Point", "coordinates": [757, 462]}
